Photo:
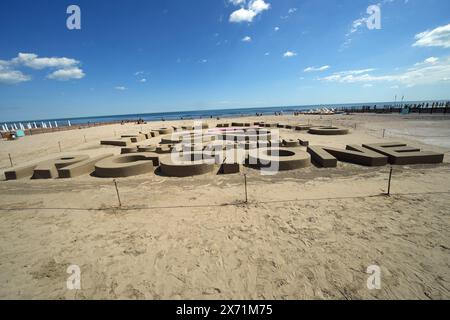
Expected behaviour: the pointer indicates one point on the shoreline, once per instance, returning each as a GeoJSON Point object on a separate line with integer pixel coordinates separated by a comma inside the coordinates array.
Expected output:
{"type": "Point", "coordinates": [422, 112]}
{"type": "Point", "coordinates": [247, 112]}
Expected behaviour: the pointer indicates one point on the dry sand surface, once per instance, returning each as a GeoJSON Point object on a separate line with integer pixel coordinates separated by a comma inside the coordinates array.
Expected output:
{"type": "Point", "coordinates": [305, 234]}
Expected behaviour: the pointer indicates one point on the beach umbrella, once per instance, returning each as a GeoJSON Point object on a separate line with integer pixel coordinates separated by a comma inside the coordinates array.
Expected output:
{"type": "Point", "coordinates": [15, 127]}
{"type": "Point", "coordinates": [6, 126]}
{"type": "Point", "coordinates": [56, 124]}
{"type": "Point", "coordinates": [35, 125]}
{"type": "Point", "coordinates": [21, 126]}
{"type": "Point", "coordinates": [49, 124]}
{"type": "Point", "coordinates": [29, 125]}
{"type": "Point", "coordinates": [68, 122]}
{"type": "Point", "coordinates": [3, 128]}
{"type": "Point", "coordinates": [44, 125]}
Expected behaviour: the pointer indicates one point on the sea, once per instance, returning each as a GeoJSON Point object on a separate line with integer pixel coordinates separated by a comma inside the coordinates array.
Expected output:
{"type": "Point", "coordinates": [198, 114]}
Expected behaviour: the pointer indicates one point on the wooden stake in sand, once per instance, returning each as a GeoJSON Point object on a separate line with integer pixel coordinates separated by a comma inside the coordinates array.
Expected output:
{"type": "Point", "coordinates": [85, 139]}
{"type": "Point", "coordinates": [245, 182]}
{"type": "Point", "coordinates": [10, 159]}
{"type": "Point", "coordinates": [384, 132]}
{"type": "Point", "coordinates": [389, 183]}
{"type": "Point", "coordinates": [117, 191]}
{"type": "Point", "coordinates": [59, 144]}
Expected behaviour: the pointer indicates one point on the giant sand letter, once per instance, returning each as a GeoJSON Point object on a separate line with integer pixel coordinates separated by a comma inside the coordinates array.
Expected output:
{"type": "Point", "coordinates": [402, 154]}
{"type": "Point", "coordinates": [327, 157]}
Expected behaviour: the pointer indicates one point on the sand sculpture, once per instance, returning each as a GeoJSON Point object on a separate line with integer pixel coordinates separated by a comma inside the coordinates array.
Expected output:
{"type": "Point", "coordinates": [146, 148]}
{"type": "Point", "coordinates": [83, 167]}
{"type": "Point", "coordinates": [302, 127]}
{"type": "Point", "coordinates": [127, 150]}
{"type": "Point", "coordinates": [291, 143]}
{"type": "Point", "coordinates": [401, 154]}
{"type": "Point", "coordinates": [126, 165]}
{"type": "Point", "coordinates": [186, 164]}
{"type": "Point", "coordinates": [45, 169]}
{"type": "Point", "coordinates": [373, 155]}
{"type": "Point", "coordinates": [328, 131]}
{"type": "Point", "coordinates": [327, 157]}
{"type": "Point", "coordinates": [116, 142]}
{"type": "Point", "coordinates": [280, 158]}
{"type": "Point", "coordinates": [165, 130]}
{"type": "Point", "coordinates": [228, 148]}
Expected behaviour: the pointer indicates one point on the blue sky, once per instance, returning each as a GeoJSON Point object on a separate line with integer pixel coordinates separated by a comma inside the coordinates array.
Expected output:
{"type": "Point", "coordinates": [142, 56]}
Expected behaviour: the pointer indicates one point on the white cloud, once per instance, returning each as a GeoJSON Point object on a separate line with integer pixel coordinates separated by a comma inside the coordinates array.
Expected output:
{"type": "Point", "coordinates": [417, 75]}
{"type": "Point", "coordinates": [430, 60]}
{"type": "Point", "coordinates": [67, 68]}
{"type": "Point", "coordinates": [8, 76]}
{"type": "Point", "coordinates": [291, 11]}
{"type": "Point", "coordinates": [439, 37]}
{"type": "Point", "coordinates": [258, 6]}
{"type": "Point", "coordinates": [276, 28]}
{"type": "Point", "coordinates": [120, 88]}
{"type": "Point", "coordinates": [357, 24]}
{"type": "Point", "coordinates": [242, 15]}
{"type": "Point", "coordinates": [138, 73]}
{"type": "Point", "coordinates": [367, 85]}
{"type": "Point", "coordinates": [314, 69]}
{"type": "Point", "coordinates": [267, 54]}
{"type": "Point", "coordinates": [143, 80]}
{"type": "Point", "coordinates": [254, 8]}
{"type": "Point", "coordinates": [32, 60]}
{"type": "Point", "coordinates": [289, 54]}
{"type": "Point", "coordinates": [67, 74]}
{"type": "Point", "coordinates": [354, 72]}
{"type": "Point", "coordinates": [246, 39]}
{"type": "Point", "coordinates": [237, 2]}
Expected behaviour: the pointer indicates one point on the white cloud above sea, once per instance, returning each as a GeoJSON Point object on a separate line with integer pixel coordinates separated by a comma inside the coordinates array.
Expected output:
{"type": "Point", "coordinates": [32, 60]}
{"type": "Point", "coordinates": [317, 69]}
{"type": "Point", "coordinates": [66, 68]}
{"type": "Point", "coordinates": [12, 76]}
{"type": "Point", "coordinates": [67, 74]}
{"type": "Point", "coordinates": [289, 54]}
{"type": "Point", "coordinates": [427, 72]}
{"type": "Point", "coordinates": [438, 37]}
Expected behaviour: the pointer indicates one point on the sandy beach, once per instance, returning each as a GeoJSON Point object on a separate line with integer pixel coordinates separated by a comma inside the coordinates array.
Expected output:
{"type": "Point", "coordinates": [304, 234]}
